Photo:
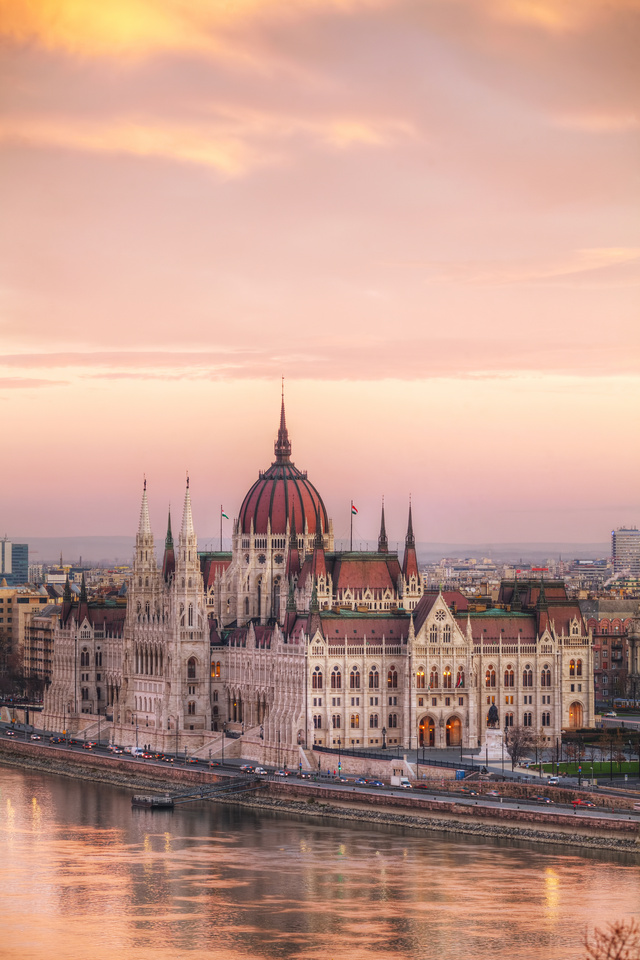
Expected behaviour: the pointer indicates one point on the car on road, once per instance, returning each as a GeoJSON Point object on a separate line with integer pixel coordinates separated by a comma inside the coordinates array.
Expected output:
{"type": "Point", "coordinates": [541, 799]}
{"type": "Point", "coordinates": [279, 773]}
{"type": "Point", "coordinates": [421, 786]}
{"type": "Point", "coordinates": [375, 783]}
{"type": "Point", "coordinates": [469, 791]}
{"type": "Point", "coordinates": [10, 733]}
{"type": "Point", "coordinates": [360, 782]}
{"type": "Point", "coordinates": [88, 745]}
{"type": "Point", "coordinates": [579, 802]}
{"type": "Point", "coordinates": [214, 763]}
{"type": "Point", "coordinates": [247, 768]}
{"type": "Point", "coordinates": [36, 736]}
{"type": "Point", "coordinates": [304, 775]}
{"type": "Point", "coordinates": [611, 713]}
{"type": "Point", "coordinates": [553, 781]}
{"type": "Point", "coordinates": [492, 793]}
{"type": "Point", "coordinates": [192, 759]}
{"type": "Point", "coordinates": [260, 771]}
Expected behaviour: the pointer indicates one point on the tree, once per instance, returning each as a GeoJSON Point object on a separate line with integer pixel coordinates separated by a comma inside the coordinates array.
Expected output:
{"type": "Point", "coordinates": [519, 741]}
{"type": "Point", "coordinates": [618, 941]}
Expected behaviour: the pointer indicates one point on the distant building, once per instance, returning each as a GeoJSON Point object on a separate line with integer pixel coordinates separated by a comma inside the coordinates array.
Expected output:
{"type": "Point", "coordinates": [14, 562]}
{"type": "Point", "coordinates": [625, 550]}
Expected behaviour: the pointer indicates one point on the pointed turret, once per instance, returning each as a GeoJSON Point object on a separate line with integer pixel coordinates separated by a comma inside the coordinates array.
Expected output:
{"type": "Point", "coordinates": [67, 590]}
{"type": "Point", "coordinates": [541, 603]}
{"type": "Point", "coordinates": [516, 602]}
{"type": "Point", "coordinates": [383, 543]}
{"type": "Point", "coordinates": [83, 590]}
{"type": "Point", "coordinates": [410, 561]}
{"type": "Point", "coordinates": [187, 517]}
{"type": "Point", "coordinates": [282, 447]}
{"type": "Point", "coordinates": [144, 527]}
{"type": "Point", "coordinates": [169, 559]}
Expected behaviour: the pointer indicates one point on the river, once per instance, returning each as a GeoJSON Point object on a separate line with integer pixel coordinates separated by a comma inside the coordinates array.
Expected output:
{"type": "Point", "coordinates": [88, 878]}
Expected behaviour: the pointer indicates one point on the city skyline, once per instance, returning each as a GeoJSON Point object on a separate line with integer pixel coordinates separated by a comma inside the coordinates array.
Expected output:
{"type": "Point", "coordinates": [423, 215]}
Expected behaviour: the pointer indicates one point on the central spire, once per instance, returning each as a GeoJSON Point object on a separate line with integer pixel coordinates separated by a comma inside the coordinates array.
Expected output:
{"type": "Point", "coordinates": [187, 518]}
{"type": "Point", "coordinates": [383, 543]}
{"type": "Point", "coordinates": [144, 527]}
{"type": "Point", "coordinates": [282, 446]}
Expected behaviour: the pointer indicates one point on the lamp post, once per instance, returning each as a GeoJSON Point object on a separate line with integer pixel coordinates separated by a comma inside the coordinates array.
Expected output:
{"type": "Point", "coordinates": [384, 738]}
{"type": "Point", "coordinates": [339, 760]}
{"type": "Point", "coordinates": [224, 734]}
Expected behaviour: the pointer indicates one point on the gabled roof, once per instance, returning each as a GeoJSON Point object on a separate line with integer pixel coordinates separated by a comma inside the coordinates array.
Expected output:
{"type": "Point", "coordinates": [358, 571]}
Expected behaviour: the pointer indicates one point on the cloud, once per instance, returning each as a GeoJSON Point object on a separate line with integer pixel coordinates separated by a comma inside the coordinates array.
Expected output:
{"type": "Point", "coordinates": [22, 383]}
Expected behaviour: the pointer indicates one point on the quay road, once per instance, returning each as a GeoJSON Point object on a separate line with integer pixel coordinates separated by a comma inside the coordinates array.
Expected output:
{"type": "Point", "coordinates": [463, 797]}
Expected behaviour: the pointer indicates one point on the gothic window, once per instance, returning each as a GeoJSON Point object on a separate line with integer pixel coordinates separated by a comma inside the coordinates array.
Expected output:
{"type": "Point", "coordinates": [527, 720]}
{"type": "Point", "coordinates": [508, 676]}
{"type": "Point", "coordinates": [146, 609]}
{"type": "Point", "coordinates": [508, 720]}
{"type": "Point", "coordinates": [373, 720]}
{"type": "Point", "coordinates": [460, 677]}
{"type": "Point", "coordinates": [246, 606]}
{"type": "Point", "coordinates": [190, 583]}
{"type": "Point", "coordinates": [335, 720]}
{"type": "Point", "coordinates": [139, 581]}
{"type": "Point", "coordinates": [98, 660]}
{"type": "Point", "coordinates": [546, 719]}
{"type": "Point", "coordinates": [191, 708]}
{"type": "Point", "coordinates": [317, 721]}
{"type": "Point", "coordinates": [446, 634]}
{"type": "Point", "coordinates": [441, 615]}
{"type": "Point", "coordinates": [579, 668]}
{"type": "Point", "coordinates": [446, 678]}
{"type": "Point", "coordinates": [355, 721]}
{"type": "Point", "coordinates": [393, 720]}
{"type": "Point", "coordinates": [490, 677]}
{"type": "Point", "coordinates": [433, 679]}
{"type": "Point", "coordinates": [374, 678]}
{"type": "Point", "coordinates": [392, 678]}
{"type": "Point", "coordinates": [215, 696]}
{"type": "Point", "coordinates": [433, 634]}
{"type": "Point", "coordinates": [336, 679]}
{"type": "Point", "coordinates": [146, 581]}
{"type": "Point", "coordinates": [190, 614]}
{"type": "Point", "coordinates": [354, 679]}
{"type": "Point", "coordinates": [191, 668]}
{"type": "Point", "coordinates": [545, 676]}
{"type": "Point", "coordinates": [316, 679]}
{"type": "Point", "coordinates": [84, 657]}
{"type": "Point", "coordinates": [527, 676]}
{"type": "Point", "coordinates": [420, 678]}
{"type": "Point", "coordinates": [572, 668]}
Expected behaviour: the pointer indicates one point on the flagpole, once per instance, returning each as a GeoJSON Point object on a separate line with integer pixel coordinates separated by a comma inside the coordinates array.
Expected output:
{"type": "Point", "coordinates": [220, 528]}
{"type": "Point", "coordinates": [351, 520]}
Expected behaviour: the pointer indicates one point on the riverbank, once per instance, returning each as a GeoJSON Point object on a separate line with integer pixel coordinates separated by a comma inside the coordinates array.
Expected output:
{"type": "Point", "coordinates": [311, 800]}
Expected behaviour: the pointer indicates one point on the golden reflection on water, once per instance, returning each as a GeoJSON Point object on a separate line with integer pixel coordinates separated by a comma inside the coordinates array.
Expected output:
{"type": "Point", "coordinates": [88, 877]}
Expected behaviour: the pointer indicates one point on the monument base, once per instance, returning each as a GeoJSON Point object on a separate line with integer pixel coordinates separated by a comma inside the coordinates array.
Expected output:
{"type": "Point", "coordinates": [492, 745]}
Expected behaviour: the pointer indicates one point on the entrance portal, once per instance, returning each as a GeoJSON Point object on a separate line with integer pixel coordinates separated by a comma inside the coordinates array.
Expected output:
{"type": "Point", "coordinates": [427, 732]}
{"type": "Point", "coordinates": [454, 732]}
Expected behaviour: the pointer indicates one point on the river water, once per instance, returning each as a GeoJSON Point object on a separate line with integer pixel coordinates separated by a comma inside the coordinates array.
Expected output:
{"type": "Point", "coordinates": [88, 878]}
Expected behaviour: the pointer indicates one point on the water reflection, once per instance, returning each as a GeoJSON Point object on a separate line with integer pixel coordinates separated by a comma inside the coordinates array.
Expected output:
{"type": "Point", "coordinates": [87, 876]}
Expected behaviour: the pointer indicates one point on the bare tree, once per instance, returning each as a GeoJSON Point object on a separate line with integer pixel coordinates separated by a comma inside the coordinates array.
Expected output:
{"type": "Point", "coordinates": [618, 941]}
{"type": "Point", "coordinates": [519, 741]}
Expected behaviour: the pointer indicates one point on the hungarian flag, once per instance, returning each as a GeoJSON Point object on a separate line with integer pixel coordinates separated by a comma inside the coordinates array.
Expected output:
{"type": "Point", "coordinates": [354, 510]}
{"type": "Point", "coordinates": [459, 681]}
{"type": "Point", "coordinates": [224, 516]}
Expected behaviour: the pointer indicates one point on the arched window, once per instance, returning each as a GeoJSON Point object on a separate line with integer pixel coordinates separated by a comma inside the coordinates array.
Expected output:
{"type": "Point", "coordinates": [317, 722]}
{"type": "Point", "coordinates": [545, 676]}
{"type": "Point", "coordinates": [392, 678]}
{"type": "Point", "coordinates": [446, 678]}
{"type": "Point", "coordinates": [316, 679]}
{"type": "Point", "coordinates": [191, 668]}
{"type": "Point", "coordinates": [433, 679]}
{"type": "Point", "coordinates": [354, 679]}
{"type": "Point", "coordinates": [335, 720]}
{"type": "Point", "coordinates": [527, 676]}
{"type": "Point", "coordinates": [374, 678]}
{"type": "Point", "coordinates": [579, 668]}
{"type": "Point", "coordinates": [246, 606]}
{"type": "Point", "coordinates": [336, 679]}
{"type": "Point", "coordinates": [373, 720]}
{"type": "Point", "coordinates": [420, 682]}
{"type": "Point", "coordinates": [446, 633]}
{"type": "Point", "coordinates": [190, 614]}
{"type": "Point", "coordinates": [460, 677]}
{"type": "Point", "coordinates": [572, 668]}
{"type": "Point", "coordinates": [218, 669]}
{"type": "Point", "coordinates": [508, 676]}
{"type": "Point", "coordinates": [191, 708]}
{"type": "Point", "coordinates": [393, 720]}
{"type": "Point", "coordinates": [490, 676]}
{"type": "Point", "coordinates": [433, 634]}
{"type": "Point", "coordinates": [508, 720]}
{"type": "Point", "coordinates": [546, 719]}
{"type": "Point", "coordinates": [355, 721]}
{"type": "Point", "coordinates": [215, 696]}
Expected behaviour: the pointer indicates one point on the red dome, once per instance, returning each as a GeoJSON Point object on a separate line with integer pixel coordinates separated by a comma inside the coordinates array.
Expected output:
{"type": "Point", "coordinates": [281, 493]}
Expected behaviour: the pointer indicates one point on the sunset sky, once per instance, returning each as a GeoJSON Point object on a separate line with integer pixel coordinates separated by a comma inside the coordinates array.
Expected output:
{"type": "Point", "coordinates": [424, 214]}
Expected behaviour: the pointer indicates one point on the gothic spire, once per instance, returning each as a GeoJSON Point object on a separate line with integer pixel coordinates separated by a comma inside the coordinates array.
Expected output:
{"type": "Point", "coordinates": [187, 517]}
{"type": "Point", "coordinates": [144, 527]}
{"type": "Point", "coordinates": [383, 543]}
{"type": "Point", "coordinates": [169, 538]}
{"type": "Point", "coordinates": [83, 590]}
{"type": "Point", "coordinates": [542, 597]}
{"type": "Point", "coordinates": [282, 447]}
{"type": "Point", "coordinates": [410, 540]}
{"type": "Point", "coordinates": [169, 559]}
{"type": "Point", "coordinates": [67, 590]}
{"type": "Point", "coordinates": [516, 602]}
{"type": "Point", "coordinates": [410, 561]}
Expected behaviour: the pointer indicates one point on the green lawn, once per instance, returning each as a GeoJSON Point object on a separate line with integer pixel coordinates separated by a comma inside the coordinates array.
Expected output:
{"type": "Point", "coordinates": [601, 768]}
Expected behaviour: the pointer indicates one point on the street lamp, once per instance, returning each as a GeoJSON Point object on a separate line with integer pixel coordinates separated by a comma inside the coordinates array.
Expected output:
{"type": "Point", "coordinates": [384, 738]}
{"type": "Point", "coordinates": [224, 734]}
{"type": "Point", "coordinates": [339, 759]}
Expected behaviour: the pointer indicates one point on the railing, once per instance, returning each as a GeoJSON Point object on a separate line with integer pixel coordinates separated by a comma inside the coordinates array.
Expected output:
{"type": "Point", "coordinates": [395, 752]}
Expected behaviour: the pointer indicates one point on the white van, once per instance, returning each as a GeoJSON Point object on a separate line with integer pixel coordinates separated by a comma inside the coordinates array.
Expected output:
{"type": "Point", "coordinates": [136, 751]}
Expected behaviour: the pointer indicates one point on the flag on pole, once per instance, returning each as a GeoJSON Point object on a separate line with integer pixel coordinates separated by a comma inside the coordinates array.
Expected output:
{"type": "Point", "coordinates": [459, 682]}
{"type": "Point", "coordinates": [354, 509]}
{"type": "Point", "coordinates": [224, 515]}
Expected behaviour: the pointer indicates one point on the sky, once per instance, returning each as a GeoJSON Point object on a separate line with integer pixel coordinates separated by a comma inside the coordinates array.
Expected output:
{"type": "Point", "coordinates": [423, 214]}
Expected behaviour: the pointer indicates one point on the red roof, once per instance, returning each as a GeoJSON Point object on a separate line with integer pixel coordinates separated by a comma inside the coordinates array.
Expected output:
{"type": "Point", "coordinates": [373, 570]}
